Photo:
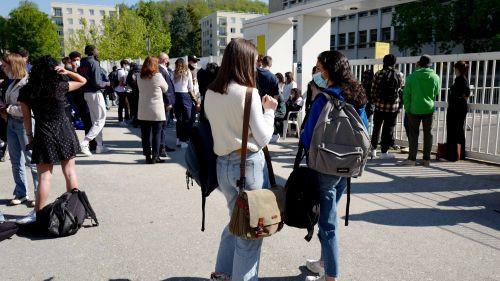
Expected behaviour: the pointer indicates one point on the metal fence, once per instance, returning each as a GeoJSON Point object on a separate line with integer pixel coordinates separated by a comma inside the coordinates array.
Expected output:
{"type": "Point", "coordinates": [483, 119]}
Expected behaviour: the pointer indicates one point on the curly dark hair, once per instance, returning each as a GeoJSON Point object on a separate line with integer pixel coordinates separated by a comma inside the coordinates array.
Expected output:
{"type": "Point", "coordinates": [339, 72]}
{"type": "Point", "coordinates": [43, 79]}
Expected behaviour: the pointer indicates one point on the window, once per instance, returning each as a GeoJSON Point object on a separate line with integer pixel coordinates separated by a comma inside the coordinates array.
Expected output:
{"type": "Point", "coordinates": [222, 42]}
{"type": "Point", "coordinates": [222, 21]}
{"type": "Point", "coordinates": [57, 12]}
{"type": "Point", "coordinates": [352, 16]}
{"type": "Point", "coordinates": [363, 14]}
{"type": "Point", "coordinates": [342, 18]}
{"type": "Point", "coordinates": [342, 42]}
{"type": "Point", "coordinates": [387, 10]}
{"type": "Point", "coordinates": [351, 40]}
{"type": "Point", "coordinates": [386, 34]}
{"type": "Point", "coordinates": [222, 31]}
{"type": "Point", "coordinates": [60, 32]}
{"type": "Point", "coordinates": [373, 12]}
{"type": "Point", "coordinates": [233, 30]}
{"type": "Point", "coordinates": [58, 21]}
{"type": "Point", "coordinates": [233, 20]}
{"type": "Point", "coordinates": [102, 12]}
{"type": "Point", "coordinates": [70, 21]}
{"type": "Point", "coordinates": [112, 13]}
{"type": "Point", "coordinates": [92, 22]}
{"type": "Point", "coordinates": [80, 11]}
{"type": "Point", "coordinates": [363, 36]}
{"type": "Point", "coordinates": [373, 37]}
{"type": "Point", "coordinates": [69, 11]}
{"type": "Point", "coordinates": [91, 12]}
{"type": "Point", "coordinates": [71, 31]}
{"type": "Point", "coordinates": [332, 42]}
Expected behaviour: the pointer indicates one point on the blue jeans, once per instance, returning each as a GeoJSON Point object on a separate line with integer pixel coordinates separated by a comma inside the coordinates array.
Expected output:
{"type": "Point", "coordinates": [2, 219]}
{"type": "Point", "coordinates": [19, 157]}
{"type": "Point", "coordinates": [331, 190]}
{"type": "Point", "coordinates": [237, 257]}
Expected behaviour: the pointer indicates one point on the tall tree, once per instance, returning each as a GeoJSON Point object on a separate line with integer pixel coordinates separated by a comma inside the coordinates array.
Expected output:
{"type": "Point", "coordinates": [180, 27]}
{"type": "Point", "coordinates": [467, 22]}
{"type": "Point", "coordinates": [32, 30]}
{"type": "Point", "coordinates": [157, 28]}
{"type": "Point", "coordinates": [3, 36]}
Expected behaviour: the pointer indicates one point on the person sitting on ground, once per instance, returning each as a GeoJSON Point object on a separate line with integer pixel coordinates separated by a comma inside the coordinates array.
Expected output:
{"type": "Point", "coordinates": [54, 140]}
{"type": "Point", "coordinates": [151, 111]}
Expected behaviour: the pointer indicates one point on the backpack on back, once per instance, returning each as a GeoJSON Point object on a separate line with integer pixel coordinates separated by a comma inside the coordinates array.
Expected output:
{"type": "Point", "coordinates": [390, 86]}
{"type": "Point", "coordinates": [340, 143]}
{"type": "Point", "coordinates": [201, 162]}
{"type": "Point", "coordinates": [66, 215]}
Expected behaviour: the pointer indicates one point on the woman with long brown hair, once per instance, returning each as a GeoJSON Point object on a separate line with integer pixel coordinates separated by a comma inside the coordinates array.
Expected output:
{"type": "Point", "coordinates": [184, 101]}
{"type": "Point", "coordinates": [151, 111]}
{"type": "Point", "coordinates": [14, 67]}
{"type": "Point", "coordinates": [342, 85]}
{"type": "Point", "coordinates": [237, 258]}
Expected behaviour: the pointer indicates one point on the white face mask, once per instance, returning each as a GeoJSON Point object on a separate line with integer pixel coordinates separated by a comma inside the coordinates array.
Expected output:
{"type": "Point", "coordinates": [77, 63]}
{"type": "Point", "coordinates": [319, 80]}
{"type": "Point", "coordinates": [127, 68]}
{"type": "Point", "coordinates": [195, 65]}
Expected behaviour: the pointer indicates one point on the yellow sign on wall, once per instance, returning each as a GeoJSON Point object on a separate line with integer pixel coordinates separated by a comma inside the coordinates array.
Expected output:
{"type": "Point", "coordinates": [261, 45]}
{"type": "Point", "coordinates": [382, 49]}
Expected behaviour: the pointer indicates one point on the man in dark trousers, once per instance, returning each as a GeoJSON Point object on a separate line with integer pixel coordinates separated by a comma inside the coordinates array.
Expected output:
{"type": "Point", "coordinates": [92, 93]}
{"type": "Point", "coordinates": [168, 100]}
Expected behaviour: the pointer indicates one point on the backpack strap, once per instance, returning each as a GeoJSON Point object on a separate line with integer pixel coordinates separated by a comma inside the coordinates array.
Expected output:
{"type": "Point", "coordinates": [241, 183]}
{"type": "Point", "coordinates": [88, 208]}
{"type": "Point", "coordinates": [203, 202]}
{"type": "Point", "coordinates": [348, 201]}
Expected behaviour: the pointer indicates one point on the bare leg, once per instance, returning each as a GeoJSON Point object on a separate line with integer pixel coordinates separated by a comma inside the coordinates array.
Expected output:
{"type": "Point", "coordinates": [44, 176]}
{"type": "Point", "coordinates": [68, 169]}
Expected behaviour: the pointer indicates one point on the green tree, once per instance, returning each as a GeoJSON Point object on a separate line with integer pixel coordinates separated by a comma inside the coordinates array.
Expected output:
{"type": "Point", "coordinates": [123, 36]}
{"type": "Point", "coordinates": [3, 36]}
{"type": "Point", "coordinates": [180, 27]}
{"type": "Point", "coordinates": [31, 29]}
{"type": "Point", "coordinates": [89, 34]}
{"type": "Point", "coordinates": [467, 22]}
{"type": "Point", "coordinates": [157, 28]}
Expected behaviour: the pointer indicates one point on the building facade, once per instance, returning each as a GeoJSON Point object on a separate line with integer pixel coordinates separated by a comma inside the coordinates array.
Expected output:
{"type": "Point", "coordinates": [219, 28]}
{"type": "Point", "coordinates": [69, 17]}
{"type": "Point", "coordinates": [355, 33]}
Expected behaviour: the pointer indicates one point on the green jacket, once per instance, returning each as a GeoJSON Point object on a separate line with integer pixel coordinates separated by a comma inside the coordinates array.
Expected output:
{"type": "Point", "coordinates": [421, 89]}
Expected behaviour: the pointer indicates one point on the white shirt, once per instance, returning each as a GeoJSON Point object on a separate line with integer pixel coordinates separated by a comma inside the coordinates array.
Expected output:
{"type": "Point", "coordinates": [287, 89]}
{"type": "Point", "coordinates": [225, 113]}
{"type": "Point", "coordinates": [122, 76]}
{"type": "Point", "coordinates": [184, 84]}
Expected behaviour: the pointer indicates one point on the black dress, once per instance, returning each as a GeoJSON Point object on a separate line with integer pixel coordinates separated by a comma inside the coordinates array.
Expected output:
{"type": "Point", "coordinates": [55, 137]}
{"type": "Point", "coordinates": [455, 117]}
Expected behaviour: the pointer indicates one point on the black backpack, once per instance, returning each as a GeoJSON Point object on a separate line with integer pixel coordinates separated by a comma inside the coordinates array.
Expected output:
{"type": "Point", "coordinates": [201, 162]}
{"type": "Point", "coordinates": [66, 215]}
{"type": "Point", "coordinates": [390, 86]}
{"type": "Point", "coordinates": [7, 229]}
{"type": "Point", "coordinates": [302, 197]}
{"type": "Point", "coordinates": [113, 78]}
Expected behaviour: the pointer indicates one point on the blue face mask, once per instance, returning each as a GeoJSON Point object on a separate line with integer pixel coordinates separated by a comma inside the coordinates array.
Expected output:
{"type": "Point", "coordinates": [318, 79]}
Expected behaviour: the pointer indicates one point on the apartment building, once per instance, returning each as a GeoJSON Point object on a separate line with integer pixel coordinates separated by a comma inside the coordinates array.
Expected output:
{"type": "Point", "coordinates": [69, 17]}
{"type": "Point", "coordinates": [355, 33]}
{"type": "Point", "coordinates": [219, 28]}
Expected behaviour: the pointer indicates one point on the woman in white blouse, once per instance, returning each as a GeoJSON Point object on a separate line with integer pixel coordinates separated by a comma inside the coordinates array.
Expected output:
{"type": "Point", "coordinates": [237, 258]}
{"type": "Point", "coordinates": [151, 111]}
{"type": "Point", "coordinates": [290, 84]}
{"type": "Point", "coordinates": [184, 101]}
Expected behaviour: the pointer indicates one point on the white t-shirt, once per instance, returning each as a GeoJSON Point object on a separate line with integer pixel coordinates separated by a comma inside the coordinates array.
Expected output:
{"type": "Point", "coordinates": [184, 84]}
{"type": "Point", "coordinates": [287, 89]}
{"type": "Point", "coordinates": [122, 76]}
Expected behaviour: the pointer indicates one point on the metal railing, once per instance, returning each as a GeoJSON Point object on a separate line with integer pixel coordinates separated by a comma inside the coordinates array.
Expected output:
{"type": "Point", "coordinates": [483, 119]}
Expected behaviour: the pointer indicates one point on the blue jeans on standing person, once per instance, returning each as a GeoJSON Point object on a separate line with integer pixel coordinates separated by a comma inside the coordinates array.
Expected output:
{"type": "Point", "coordinates": [19, 157]}
{"type": "Point", "coordinates": [237, 257]}
{"type": "Point", "coordinates": [331, 190]}
{"type": "Point", "coordinates": [2, 219]}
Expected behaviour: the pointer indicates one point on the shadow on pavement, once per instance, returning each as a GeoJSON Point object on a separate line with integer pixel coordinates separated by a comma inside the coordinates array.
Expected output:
{"type": "Point", "coordinates": [303, 273]}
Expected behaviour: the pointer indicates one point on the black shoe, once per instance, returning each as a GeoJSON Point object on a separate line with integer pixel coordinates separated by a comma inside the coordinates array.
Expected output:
{"type": "Point", "coordinates": [149, 160]}
{"type": "Point", "coordinates": [158, 160]}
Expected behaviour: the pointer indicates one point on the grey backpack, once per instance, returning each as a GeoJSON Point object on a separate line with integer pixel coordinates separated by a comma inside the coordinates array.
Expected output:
{"type": "Point", "coordinates": [340, 143]}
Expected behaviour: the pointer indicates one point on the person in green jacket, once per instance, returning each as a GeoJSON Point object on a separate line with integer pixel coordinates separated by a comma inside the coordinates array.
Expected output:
{"type": "Point", "coordinates": [422, 88]}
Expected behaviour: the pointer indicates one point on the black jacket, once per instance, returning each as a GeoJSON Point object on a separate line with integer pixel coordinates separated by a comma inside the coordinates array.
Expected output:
{"type": "Point", "coordinates": [169, 96]}
{"type": "Point", "coordinates": [267, 83]}
{"type": "Point", "coordinates": [91, 70]}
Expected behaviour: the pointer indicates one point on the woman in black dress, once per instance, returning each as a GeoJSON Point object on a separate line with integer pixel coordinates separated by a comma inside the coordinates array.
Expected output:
{"type": "Point", "coordinates": [457, 112]}
{"type": "Point", "coordinates": [55, 139]}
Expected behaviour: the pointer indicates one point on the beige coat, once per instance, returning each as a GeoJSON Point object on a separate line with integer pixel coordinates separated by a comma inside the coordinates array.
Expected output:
{"type": "Point", "coordinates": [151, 106]}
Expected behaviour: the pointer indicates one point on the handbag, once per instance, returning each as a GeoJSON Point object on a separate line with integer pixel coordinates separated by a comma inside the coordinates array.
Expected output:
{"type": "Point", "coordinates": [256, 213]}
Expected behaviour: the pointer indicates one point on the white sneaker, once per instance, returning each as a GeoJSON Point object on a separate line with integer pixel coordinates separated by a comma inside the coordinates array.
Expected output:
{"type": "Point", "coordinates": [316, 278]}
{"type": "Point", "coordinates": [18, 200]}
{"type": "Point", "coordinates": [101, 149]}
{"type": "Point", "coordinates": [373, 153]}
{"type": "Point", "coordinates": [30, 218]}
{"type": "Point", "coordinates": [315, 266]}
{"type": "Point", "coordinates": [184, 145]}
{"type": "Point", "coordinates": [387, 155]}
{"type": "Point", "coordinates": [85, 150]}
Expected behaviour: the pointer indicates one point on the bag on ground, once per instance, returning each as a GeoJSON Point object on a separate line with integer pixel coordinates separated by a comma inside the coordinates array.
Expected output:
{"type": "Point", "coordinates": [7, 229]}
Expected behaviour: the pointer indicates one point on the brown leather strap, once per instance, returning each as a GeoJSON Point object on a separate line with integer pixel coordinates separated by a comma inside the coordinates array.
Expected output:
{"type": "Point", "coordinates": [244, 137]}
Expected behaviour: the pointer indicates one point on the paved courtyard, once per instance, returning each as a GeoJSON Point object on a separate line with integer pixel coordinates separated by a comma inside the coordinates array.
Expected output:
{"type": "Point", "coordinates": [407, 223]}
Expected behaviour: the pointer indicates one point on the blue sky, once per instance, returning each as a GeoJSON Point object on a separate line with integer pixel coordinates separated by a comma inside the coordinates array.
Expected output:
{"type": "Point", "coordinates": [44, 5]}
